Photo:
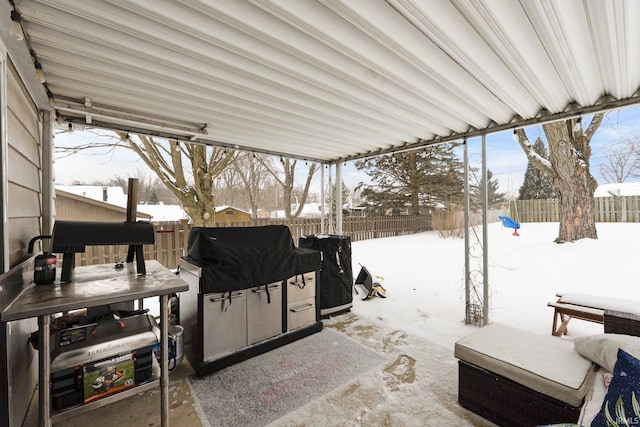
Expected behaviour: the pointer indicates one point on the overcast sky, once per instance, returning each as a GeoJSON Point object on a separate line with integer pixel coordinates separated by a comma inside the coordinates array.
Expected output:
{"type": "Point", "coordinates": [505, 158]}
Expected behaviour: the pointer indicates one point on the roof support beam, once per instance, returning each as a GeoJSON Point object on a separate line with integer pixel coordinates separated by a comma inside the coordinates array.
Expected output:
{"type": "Point", "coordinates": [543, 117]}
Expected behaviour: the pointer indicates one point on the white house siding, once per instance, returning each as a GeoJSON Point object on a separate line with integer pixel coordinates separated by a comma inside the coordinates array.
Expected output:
{"type": "Point", "coordinates": [18, 361]}
{"type": "Point", "coordinates": [24, 207]}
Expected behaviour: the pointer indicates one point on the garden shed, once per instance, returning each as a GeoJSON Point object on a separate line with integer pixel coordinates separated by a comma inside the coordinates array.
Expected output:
{"type": "Point", "coordinates": [229, 214]}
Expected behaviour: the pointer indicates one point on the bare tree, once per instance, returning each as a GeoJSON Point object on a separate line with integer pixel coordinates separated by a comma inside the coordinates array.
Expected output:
{"type": "Point", "coordinates": [286, 180]}
{"type": "Point", "coordinates": [568, 167]}
{"type": "Point", "coordinates": [619, 165]}
{"type": "Point", "coordinates": [150, 189]}
{"type": "Point", "coordinates": [622, 161]}
{"type": "Point", "coordinates": [168, 161]}
{"type": "Point", "coordinates": [247, 184]}
{"type": "Point", "coordinates": [229, 189]}
{"type": "Point", "coordinates": [252, 171]}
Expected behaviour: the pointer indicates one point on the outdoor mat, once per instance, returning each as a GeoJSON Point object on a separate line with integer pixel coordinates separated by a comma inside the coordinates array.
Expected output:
{"type": "Point", "coordinates": [264, 388]}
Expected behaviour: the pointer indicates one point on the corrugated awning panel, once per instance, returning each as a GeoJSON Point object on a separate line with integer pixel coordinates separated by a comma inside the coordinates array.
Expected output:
{"type": "Point", "coordinates": [330, 80]}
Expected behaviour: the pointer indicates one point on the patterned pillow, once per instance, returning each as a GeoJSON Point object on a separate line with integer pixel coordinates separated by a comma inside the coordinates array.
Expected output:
{"type": "Point", "coordinates": [562, 425]}
{"type": "Point", "coordinates": [621, 406]}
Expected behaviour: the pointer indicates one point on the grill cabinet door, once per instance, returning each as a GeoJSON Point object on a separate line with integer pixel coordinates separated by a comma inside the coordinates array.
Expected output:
{"type": "Point", "coordinates": [301, 313]}
{"type": "Point", "coordinates": [301, 286]}
{"type": "Point", "coordinates": [301, 300]}
{"type": "Point", "coordinates": [264, 312]}
{"type": "Point", "coordinates": [224, 326]}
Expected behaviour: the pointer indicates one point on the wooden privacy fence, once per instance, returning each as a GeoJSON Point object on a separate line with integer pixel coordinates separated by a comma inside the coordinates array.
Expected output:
{"type": "Point", "coordinates": [171, 239]}
{"type": "Point", "coordinates": [606, 209]}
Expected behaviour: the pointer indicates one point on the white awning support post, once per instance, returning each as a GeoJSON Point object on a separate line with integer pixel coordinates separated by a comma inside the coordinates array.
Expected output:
{"type": "Point", "coordinates": [467, 260]}
{"type": "Point", "coordinates": [322, 204]}
{"type": "Point", "coordinates": [339, 198]}
{"type": "Point", "coordinates": [485, 235]}
{"type": "Point", "coordinates": [330, 203]}
{"type": "Point", "coordinates": [477, 307]}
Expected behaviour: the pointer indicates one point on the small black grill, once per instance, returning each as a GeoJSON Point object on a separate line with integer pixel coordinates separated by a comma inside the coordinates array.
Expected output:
{"type": "Point", "coordinates": [71, 237]}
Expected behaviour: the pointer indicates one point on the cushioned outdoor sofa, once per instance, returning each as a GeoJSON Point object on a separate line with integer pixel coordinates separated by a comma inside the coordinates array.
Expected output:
{"type": "Point", "coordinates": [517, 378]}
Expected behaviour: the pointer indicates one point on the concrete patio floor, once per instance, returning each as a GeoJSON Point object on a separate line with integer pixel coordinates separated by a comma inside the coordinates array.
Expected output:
{"type": "Point", "coordinates": [417, 386]}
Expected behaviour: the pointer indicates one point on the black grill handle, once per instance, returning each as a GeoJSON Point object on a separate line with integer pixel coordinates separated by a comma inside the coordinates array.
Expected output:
{"type": "Point", "coordinates": [33, 241]}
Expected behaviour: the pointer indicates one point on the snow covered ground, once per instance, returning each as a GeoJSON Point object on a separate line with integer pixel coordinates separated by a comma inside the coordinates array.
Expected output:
{"type": "Point", "coordinates": [424, 277]}
{"type": "Point", "coordinates": [418, 323]}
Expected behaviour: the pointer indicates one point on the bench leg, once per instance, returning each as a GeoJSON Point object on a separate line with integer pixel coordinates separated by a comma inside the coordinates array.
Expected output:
{"type": "Point", "coordinates": [560, 330]}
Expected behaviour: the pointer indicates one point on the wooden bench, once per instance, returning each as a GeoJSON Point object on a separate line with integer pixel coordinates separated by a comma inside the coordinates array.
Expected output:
{"type": "Point", "coordinates": [584, 307]}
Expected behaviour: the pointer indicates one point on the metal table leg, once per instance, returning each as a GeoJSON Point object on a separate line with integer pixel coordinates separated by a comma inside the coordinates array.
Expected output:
{"type": "Point", "coordinates": [164, 360]}
{"type": "Point", "coordinates": [44, 371]}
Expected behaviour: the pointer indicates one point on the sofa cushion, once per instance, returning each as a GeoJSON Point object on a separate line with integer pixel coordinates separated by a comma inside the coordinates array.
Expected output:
{"type": "Point", "coordinates": [602, 349]}
{"type": "Point", "coordinates": [546, 364]}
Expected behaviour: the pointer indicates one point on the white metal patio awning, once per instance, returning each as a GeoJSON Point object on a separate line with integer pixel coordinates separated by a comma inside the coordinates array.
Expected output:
{"type": "Point", "coordinates": [327, 80]}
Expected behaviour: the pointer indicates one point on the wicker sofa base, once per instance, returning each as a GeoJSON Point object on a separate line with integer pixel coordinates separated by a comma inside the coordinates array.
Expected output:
{"type": "Point", "coordinates": [506, 402]}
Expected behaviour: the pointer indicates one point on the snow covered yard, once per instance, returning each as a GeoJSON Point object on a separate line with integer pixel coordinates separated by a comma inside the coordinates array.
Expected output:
{"type": "Point", "coordinates": [418, 323]}
{"type": "Point", "coordinates": [424, 277]}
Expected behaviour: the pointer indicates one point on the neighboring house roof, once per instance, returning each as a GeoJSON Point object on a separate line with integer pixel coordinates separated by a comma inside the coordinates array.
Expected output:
{"type": "Point", "coordinates": [112, 195]}
{"type": "Point", "coordinates": [618, 189]}
{"type": "Point", "coordinates": [309, 209]}
{"type": "Point", "coordinates": [115, 196]}
{"type": "Point", "coordinates": [224, 208]}
{"type": "Point", "coordinates": [98, 203]}
{"type": "Point", "coordinates": [164, 213]}
{"type": "Point", "coordinates": [116, 199]}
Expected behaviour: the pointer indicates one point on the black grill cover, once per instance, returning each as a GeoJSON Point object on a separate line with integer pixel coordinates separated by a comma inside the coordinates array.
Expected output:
{"type": "Point", "coordinates": [235, 258]}
{"type": "Point", "coordinates": [336, 275]}
{"type": "Point", "coordinates": [305, 260]}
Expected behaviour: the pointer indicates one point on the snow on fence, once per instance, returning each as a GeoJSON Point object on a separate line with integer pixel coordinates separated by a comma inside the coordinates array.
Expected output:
{"type": "Point", "coordinates": [171, 239]}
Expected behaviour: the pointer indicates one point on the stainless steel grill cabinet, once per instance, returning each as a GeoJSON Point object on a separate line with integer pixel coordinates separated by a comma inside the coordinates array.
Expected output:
{"type": "Point", "coordinates": [244, 298]}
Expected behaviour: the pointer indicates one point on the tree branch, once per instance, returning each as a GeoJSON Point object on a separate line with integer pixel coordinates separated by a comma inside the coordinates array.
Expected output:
{"type": "Point", "coordinates": [538, 161]}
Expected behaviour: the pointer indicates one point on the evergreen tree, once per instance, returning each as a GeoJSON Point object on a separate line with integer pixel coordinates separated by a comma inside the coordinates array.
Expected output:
{"type": "Point", "coordinates": [345, 197]}
{"type": "Point", "coordinates": [537, 184]}
{"type": "Point", "coordinates": [493, 197]}
{"type": "Point", "coordinates": [153, 198]}
{"type": "Point", "coordinates": [413, 180]}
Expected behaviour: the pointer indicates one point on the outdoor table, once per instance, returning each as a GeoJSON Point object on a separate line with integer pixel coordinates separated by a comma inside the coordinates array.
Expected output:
{"type": "Point", "coordinates": [92, 286]}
